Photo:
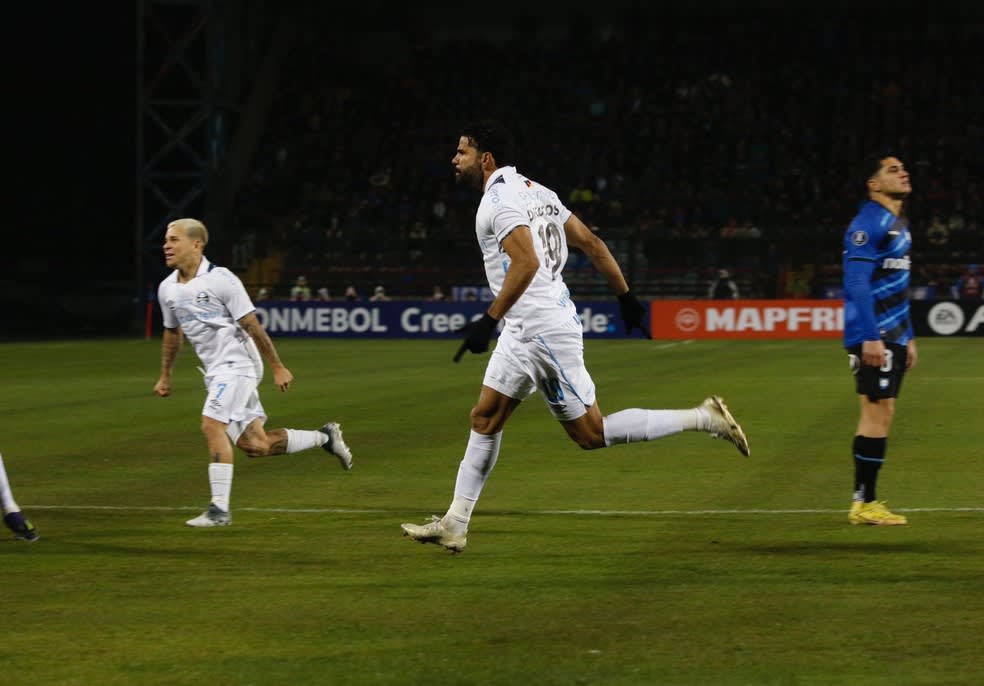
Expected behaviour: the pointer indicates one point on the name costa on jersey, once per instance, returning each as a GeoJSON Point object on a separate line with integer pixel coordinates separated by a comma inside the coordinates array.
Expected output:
{"type": "Point", "coordinates": [542, 211]}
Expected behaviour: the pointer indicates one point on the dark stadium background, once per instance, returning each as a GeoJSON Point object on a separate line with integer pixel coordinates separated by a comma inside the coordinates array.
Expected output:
{"type": "Point", "coordinates": [76, 249]}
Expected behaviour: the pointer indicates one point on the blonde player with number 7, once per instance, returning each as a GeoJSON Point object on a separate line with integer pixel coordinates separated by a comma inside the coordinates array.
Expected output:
{"type": "Point", "coordinates": [209, 306]}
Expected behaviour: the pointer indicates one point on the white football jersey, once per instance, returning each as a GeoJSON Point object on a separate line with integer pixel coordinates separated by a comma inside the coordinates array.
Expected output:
{"type": "Point", "coordinates": [512, 200]}
{"type": "Point", "coordinates": [208, 309]}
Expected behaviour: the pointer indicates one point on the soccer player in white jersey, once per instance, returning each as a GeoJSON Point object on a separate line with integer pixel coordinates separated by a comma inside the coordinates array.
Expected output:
{"type": "Point", "coordinates": [524, 232]}
{"type": "Point", "coordinates": [209, 306]}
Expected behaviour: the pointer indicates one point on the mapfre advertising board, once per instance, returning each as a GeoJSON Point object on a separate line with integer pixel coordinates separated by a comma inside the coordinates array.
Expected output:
{"type": "Point", "coordinates": [767, 319]}
{"type": "Point", "coordinates": [774, 319]}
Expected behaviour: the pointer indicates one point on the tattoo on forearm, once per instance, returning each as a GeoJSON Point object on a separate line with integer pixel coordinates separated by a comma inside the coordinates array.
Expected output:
{"type": "Point", "coordinates": [263, 342]}
{"type": "Point", "coordinates": [169, 350]}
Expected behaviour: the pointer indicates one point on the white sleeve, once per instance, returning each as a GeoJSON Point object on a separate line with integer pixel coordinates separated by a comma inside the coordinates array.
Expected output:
{"type": "Point", "coordinates": [167, 316]}
{"type": "Point", "coordinates": [506, 211]}
{"type": "Point", "coordinates": [233, 293]}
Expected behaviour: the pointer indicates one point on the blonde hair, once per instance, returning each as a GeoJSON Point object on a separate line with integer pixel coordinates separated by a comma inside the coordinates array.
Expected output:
{"type": "Point", "coordinates": [193, 229]}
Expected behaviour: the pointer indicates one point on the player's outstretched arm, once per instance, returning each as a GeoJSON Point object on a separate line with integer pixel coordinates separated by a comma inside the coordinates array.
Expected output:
{"type": "Point", "coordinates": [588, 242]}
{"type": "Point", "coordinates": [581, 237]}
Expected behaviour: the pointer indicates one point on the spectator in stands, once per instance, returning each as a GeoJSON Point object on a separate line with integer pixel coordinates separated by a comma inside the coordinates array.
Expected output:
{"type": "Point", "coordinates": [437, 295]}
{"type": "Point", "coordinates": [323, 294]}
{"type": "Point", "coordinates": [937, 233]}
{"type": "Point", "coordinates": [416, 240]}
{"type": "Point", "coordinates": [749, 229]}
{"type": "Point", "coordinates": [300, 290]}
{"type": "Point", "coordinates": [439, 211]}
{"type": "Point", "coordinates": [351, 294]}
{"type": "Point", "coordinates": [921, 284]}
{"type": "Point", "coordinates": [243, 250]}
{"type": "Point", "coordinates": [956, 223]}
{"type": "Point", "coordinates": [723, 287]}
{"type": "Point", "coordinates": [969, 285]}
{"type": "Point", "coordinates": [379, 295]}
{"type": "Point", "coordinates": [730, 228]}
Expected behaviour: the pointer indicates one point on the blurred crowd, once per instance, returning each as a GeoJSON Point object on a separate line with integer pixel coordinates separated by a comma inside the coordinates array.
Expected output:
{"type": "Point", "coordinates": [690, 148]}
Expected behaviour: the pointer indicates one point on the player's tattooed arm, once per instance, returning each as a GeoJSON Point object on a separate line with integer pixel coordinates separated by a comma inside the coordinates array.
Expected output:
{"type": "Point", "coordinates": [170, 347]}
{"type": "Point", "coordinates": [281, 375]}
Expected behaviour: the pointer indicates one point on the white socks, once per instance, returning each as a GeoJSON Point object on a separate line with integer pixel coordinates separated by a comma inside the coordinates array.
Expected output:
{"type": "Point", "coordinates": [220, 481]}
{"type": "Point", "coordinates": [7, 502]}
{"type": "Point", "coordinates": [480, 457]}
{"type": "Point", "coordinates": [220, 473]}
{"type": "Point", "coordinates": [298, 440]}
{"type": "Point", "coordinates": [633, 425]}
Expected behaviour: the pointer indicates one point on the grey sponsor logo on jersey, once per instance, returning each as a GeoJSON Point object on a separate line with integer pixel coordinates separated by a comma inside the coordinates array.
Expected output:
{"type": "Point", "coordinates": [901, 263]}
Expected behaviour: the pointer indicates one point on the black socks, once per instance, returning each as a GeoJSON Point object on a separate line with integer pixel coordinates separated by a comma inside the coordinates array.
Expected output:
{"type": "Point", "coordinates": [869, 454]}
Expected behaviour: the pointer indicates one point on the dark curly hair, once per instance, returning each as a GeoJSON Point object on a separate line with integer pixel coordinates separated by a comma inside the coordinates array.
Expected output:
{"type": "Point", "coordinates": [490, 135]}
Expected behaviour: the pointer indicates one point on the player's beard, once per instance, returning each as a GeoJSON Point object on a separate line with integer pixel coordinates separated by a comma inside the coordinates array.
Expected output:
{"type": "Point", "coordinates": [470, 176]}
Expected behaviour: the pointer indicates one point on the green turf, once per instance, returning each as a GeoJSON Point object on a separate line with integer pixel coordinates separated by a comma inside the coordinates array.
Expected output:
{"type": "Point", "coordinates": [673, 562]}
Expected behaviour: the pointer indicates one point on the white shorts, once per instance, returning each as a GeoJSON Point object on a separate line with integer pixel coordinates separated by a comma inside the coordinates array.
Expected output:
{"type": "Point", "coordinates": [552, 363]}
{"type": "Point", "coordinates": [235, 401]}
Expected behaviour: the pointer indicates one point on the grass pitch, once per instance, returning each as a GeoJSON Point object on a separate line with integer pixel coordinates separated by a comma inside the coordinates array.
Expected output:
{"type": "Point", "coordinates": [675, 562]}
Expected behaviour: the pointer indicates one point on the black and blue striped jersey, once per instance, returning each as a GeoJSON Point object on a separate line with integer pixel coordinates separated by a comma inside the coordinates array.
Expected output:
{"type": "Point", "coordinates": [876, 277]}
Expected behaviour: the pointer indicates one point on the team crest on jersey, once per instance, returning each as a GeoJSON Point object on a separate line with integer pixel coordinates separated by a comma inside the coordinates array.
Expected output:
{"type": "Point", "coordinates": [859, 238]}
{"type": "Point", "coordinates": [201, 298]}
{"type": "Point", "coordinates": [170, 304]}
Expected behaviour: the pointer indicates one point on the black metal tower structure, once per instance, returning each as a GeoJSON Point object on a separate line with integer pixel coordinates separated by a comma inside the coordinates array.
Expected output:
{"type": "Point", "coordinates": [179, 129]}
{"type": "Point", "coordinates": [206, 77]}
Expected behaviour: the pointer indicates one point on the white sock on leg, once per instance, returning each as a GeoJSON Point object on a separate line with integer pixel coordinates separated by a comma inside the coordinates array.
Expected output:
{"type": "Point", "coordinates": [7, 502]}
{"type": "Point", "coordinates": [634, 425]}
{"type": "Point", "coordinates": [220, 481]}
{"type": "Point", "coordinates": [473, 471]}
{"type": "Point", "coordinates": [298, 440]}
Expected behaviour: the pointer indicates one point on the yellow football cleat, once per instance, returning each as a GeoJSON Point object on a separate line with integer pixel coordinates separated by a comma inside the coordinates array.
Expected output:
{"type": "Point", "coordinates": [874, 514]}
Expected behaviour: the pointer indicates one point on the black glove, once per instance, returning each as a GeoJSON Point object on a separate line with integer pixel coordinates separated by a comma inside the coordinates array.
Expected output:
{"type": "Point", "coordinates": [477, 335]}
{"type": "Point", "coordinates": [633, 313]}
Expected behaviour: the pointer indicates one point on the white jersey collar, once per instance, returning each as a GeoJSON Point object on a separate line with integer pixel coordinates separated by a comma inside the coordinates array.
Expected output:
{"type": "Point", "coordinates": [498, 176]}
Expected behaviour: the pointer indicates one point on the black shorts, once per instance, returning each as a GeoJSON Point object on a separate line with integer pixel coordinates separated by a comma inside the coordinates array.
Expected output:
{"type": "Point", "coordinates": [879, 382]}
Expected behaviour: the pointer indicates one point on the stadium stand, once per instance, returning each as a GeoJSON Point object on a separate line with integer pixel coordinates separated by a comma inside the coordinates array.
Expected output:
{"type": "Point", "coordinates": [688, 146]}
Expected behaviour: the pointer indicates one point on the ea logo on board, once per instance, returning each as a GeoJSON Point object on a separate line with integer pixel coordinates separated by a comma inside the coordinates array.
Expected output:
{"type": "Point", "coordinates": [946, 318]}
{"type": "Point", "coordinates": [687, 319]}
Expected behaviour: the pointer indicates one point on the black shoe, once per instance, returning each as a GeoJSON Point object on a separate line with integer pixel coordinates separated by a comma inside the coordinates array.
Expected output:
{"type": "Point", "coordinates": [21, 526]}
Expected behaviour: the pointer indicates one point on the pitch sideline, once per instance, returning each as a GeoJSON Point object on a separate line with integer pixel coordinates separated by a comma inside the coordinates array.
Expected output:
{"type": "Point", "coordinates": [598, 513]}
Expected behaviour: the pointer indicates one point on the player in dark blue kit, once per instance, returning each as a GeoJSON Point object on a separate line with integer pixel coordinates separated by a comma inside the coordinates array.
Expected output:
{"type": "Point", "coordinates": [877, 328]}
